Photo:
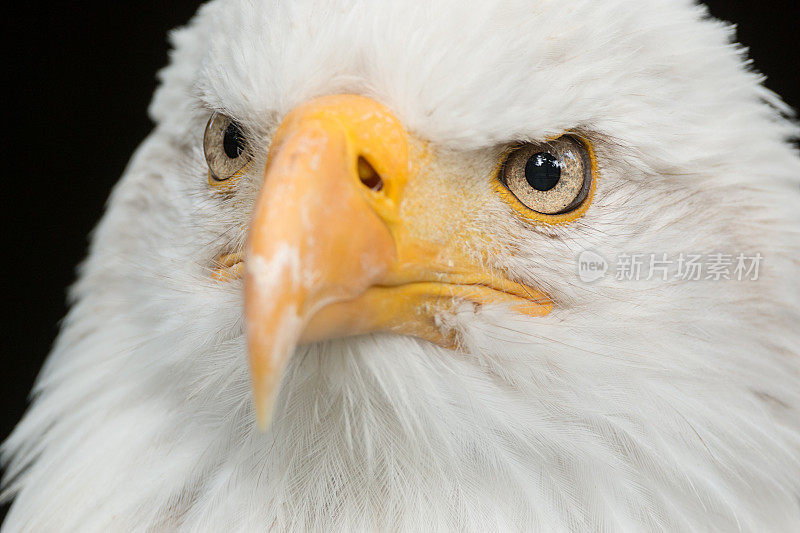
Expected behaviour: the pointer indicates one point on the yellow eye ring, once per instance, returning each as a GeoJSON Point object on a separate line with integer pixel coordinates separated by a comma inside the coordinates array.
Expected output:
{"type": "Point", "coordinates": [227, 183]}
{"type": "Point", "coordinates": [561, 217]}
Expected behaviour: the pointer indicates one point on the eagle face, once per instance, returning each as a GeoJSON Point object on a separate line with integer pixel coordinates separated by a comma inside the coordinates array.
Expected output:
{"type": "Point", "coordinates": [370, 219]}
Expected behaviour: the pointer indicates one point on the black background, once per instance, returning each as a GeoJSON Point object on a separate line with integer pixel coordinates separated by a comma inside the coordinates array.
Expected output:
{"type": "Point", "coordinates": [78, 79]}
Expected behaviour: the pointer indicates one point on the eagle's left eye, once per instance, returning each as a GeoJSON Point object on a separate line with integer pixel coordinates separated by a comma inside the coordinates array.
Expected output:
{"type": "Point", "coordinates": [551, 178]}
{"type": "Point", "coordinates": [225, 147]}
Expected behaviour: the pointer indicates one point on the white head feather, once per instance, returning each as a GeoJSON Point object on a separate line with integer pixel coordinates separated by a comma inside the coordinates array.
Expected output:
{"type": "Point", "coordinates": [633, 405]}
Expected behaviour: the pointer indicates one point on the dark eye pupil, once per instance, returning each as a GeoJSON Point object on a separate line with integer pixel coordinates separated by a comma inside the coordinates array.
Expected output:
{"type": "Point", "coordinates": [233, 141]}
{"type": "Point", "coordinates": [542, 171]}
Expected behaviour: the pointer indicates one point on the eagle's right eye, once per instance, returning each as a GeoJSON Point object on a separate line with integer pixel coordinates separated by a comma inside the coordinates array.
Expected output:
{"type": "Point", "coordinates": [553, 180]}
{"type": "Point", "coordinates": [225, 147]}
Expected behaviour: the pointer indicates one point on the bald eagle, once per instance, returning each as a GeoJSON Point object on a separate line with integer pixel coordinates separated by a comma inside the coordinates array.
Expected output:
{"type": "Point", "coordinates": [476, 266]}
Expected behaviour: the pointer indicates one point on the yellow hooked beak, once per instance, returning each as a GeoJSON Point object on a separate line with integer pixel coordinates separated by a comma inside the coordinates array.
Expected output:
{"type": "Point", "coordinates": [334, 250]}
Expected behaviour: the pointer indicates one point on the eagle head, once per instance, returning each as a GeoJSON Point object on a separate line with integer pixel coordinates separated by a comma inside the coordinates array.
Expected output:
{"type": "Point", "coordinates": [435, 265]}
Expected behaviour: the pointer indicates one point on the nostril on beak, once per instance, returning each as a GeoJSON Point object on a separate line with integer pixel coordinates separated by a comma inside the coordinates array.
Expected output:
{"type": "Point", "coordinates": [368, 175]}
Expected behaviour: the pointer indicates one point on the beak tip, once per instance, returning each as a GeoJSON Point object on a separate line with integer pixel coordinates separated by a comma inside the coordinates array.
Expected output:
{"type": "Point", "coordinates": [262, 423]}
{"type": "Point", "coordinates": [264, 409]}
